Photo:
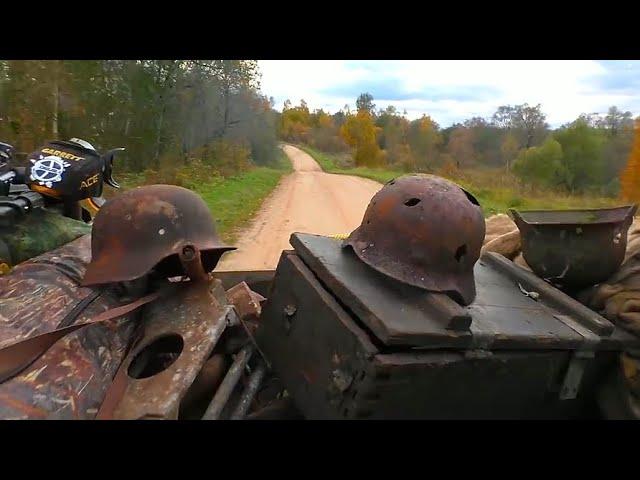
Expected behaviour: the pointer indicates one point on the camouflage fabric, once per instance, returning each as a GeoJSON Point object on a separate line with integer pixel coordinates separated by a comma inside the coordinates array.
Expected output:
{"type": "Point", "coordinates": [37, 233]}
{"type": "Point", "coordinates": [71, 379]}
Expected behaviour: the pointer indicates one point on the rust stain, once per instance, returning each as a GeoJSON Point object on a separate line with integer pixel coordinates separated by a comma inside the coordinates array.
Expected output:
{"type": "Point", "coordinates": [23, 407]}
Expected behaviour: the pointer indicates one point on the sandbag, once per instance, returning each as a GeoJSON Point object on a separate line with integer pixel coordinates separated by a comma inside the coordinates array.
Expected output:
{"type": "Point", "coordinates": [507, 245]}
{"type": "Point", "coordinates": [618, 299]}
{"type": "Point", "coordinates": [503, 237]}
{"type": "Point", "coordinates": [70, 380]}
{"type": "Point", "coordinates": [633, 239]}
{"type": "Point", "coordinates": [497, 225]}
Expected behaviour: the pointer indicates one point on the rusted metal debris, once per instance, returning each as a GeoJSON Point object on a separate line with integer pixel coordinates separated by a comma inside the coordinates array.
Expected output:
{"type": "Point", "coordinates": [249, 393]}
{"type": "Point", "coordinates": [166, 372]}
{"type": "Point", "coordinates": [180, 332]}
{"type": "Point", "coordinates": [229, 384]}
{"type": "Point", "coordinates": [246, 301]}
{"type": "Point", "coordinates": [424, 231]}
{"type": "Point", "coordinates": [574, 249]}
{"type": "Point", "coordinates": [204, 386]}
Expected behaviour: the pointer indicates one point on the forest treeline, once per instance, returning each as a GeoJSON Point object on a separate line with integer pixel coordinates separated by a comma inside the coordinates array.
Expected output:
{"type": "Point", "coordinates": [587, 155]}
{"type": "Point", "coordinates": [166, 113]}
{"type": "Point", "coordinates": [186, 118]}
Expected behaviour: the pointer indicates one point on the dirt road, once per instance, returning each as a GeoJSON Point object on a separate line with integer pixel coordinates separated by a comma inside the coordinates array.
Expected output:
{"type": "Point", "coordinates": [308, 200]}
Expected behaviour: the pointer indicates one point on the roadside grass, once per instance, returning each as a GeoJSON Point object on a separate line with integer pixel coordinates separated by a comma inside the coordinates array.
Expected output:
{"type": "Point", "coordinates": [495, 190]}
{"type": "Point", "coordinates": [340, 164]}
{"type": "Point", "coordinates": [233, 200]}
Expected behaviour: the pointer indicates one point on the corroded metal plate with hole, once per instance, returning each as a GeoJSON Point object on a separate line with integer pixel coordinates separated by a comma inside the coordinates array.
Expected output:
{"type": "Point", "coordinates": [180, 332]}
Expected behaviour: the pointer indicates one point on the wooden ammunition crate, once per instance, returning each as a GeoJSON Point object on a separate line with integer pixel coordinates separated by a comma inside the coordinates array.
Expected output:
{"type": "Point", "coordinates": [348, 342]}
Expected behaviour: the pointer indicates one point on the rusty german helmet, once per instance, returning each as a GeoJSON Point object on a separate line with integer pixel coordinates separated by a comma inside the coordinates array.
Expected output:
{"type": "Point", "coordinates": [148, 227]}
{"type": "Point", "coordinates": [424, 231]}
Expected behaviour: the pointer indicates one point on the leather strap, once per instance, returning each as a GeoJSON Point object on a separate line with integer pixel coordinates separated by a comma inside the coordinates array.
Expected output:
{"type": "Point", "coordinates": [118, 385]}
{"type": "Point", "coordinates": [79, 308]}
{"type": "Point", "coordinates": [18, 356]}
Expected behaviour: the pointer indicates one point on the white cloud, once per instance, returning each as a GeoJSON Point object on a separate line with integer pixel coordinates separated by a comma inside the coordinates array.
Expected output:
{"type": "Point", "coordinates": [564, 88]}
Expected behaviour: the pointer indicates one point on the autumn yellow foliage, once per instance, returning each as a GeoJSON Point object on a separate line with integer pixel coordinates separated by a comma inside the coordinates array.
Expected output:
{"type": "Point", "coordinates": [630, 178]}
{"type": "Point", "coordinates": [360, 132]}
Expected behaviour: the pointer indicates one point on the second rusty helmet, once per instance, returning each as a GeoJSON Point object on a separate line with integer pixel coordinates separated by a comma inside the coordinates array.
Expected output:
{"type": "Point", "coordinates": [146, 228]}
{"type": "Point", "coordinates": [424, 231]}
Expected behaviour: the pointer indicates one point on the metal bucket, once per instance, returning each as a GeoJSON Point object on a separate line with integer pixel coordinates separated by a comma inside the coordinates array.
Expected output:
{"type": "Point", "coordinates": [574, 249]}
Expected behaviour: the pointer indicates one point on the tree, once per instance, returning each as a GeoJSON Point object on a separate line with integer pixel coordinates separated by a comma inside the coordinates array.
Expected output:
{"type": "Point", "coordinates": [153, 108]}
{"type": "Point", "coordinates": [461, 147]}
{"type": "Point", "coordinates": [475, 122]}
{"type": "Point", "coordinates": [325, 134]}
{"type": "Point", "coordinates": [393, 128]}
{"type": "Point", "coordinates": [526, 122]}
{"type": "Point", "coordinates": [392, 138]}
{"type": "Point", "coordinates": [616, 120]}
{"type": "Point", "coordinates": [531, 121]}
{"type": "Point", "coordinates": [592, 119]}
{"type": "Point", "coordinates": [503, 117]}
{"type": "Point", "coordinates": [360, 133]}
{"type": "Point", "coordinates": [425, 140]}
{"type": "Point", "coordinates": [541, 165]}
{"type": "Point", "coordinates": [365, 102]}
{"type": "Point", "coordinates": [509, 149]}
{"type": "Point", "coordinates": [582, 158]}
{"type": "Point", "coordinates": [630, 178]}
{"type": "Point", "coordinates": [296, 123]}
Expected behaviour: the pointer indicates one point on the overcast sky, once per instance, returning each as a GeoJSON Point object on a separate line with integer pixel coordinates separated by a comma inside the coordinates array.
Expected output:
{"type": "Point", "coordinates": [453, 90]}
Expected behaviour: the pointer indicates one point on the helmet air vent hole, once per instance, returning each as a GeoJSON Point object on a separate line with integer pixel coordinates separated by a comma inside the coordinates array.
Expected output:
{"type": "Point", "coordinates": [461, 252]}
{"type": "Point", "coordinates": [412, 202]}
{"type": "Point", "coordinates": [471, 198]}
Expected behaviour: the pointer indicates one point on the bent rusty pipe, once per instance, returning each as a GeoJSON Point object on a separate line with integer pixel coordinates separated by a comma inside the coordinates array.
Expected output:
{"type": "Point", "coordinates": [255, 380]}
{"type": "Point", "coordinates": [192, 263]}
{"type": "Point", "coordinates": [228, 385]}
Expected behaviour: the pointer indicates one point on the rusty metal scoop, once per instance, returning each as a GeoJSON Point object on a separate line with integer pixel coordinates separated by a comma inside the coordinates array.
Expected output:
{"type": "Point", "coordinates": [574, 249]}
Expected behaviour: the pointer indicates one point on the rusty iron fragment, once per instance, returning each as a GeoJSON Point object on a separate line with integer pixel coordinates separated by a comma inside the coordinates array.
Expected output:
{"type": "Point", "coordinates": [246, 301]}
{"type": "Point", "coordinates": [247, 304]}
{"type": "Point", "coordinates": [180, 332]}
{"type": "Point", "coordinates": [70, 380]}
{"type": "Point", "coordinates": [229, 384]}
{"type": "Point", "coordinates": [254, 383]}
{"type": "Point", "coordinates": [424, 231]}
{"type": "Point", "coordinates": [204, 386]}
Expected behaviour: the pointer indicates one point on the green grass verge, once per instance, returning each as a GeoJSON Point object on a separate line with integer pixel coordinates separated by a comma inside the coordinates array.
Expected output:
{"type": "Point", "coordinates": [327, 161]}
{"type": "Point", "coordinates": [493, 200]}
{"type": "Point", "coordinates": [330, 163]}
{"type": "Point", "coordinates": [233, 200]}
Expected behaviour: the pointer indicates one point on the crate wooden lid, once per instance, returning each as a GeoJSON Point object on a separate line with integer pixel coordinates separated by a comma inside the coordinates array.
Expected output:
{"type": "Point", "coordinates": [501, 317]}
